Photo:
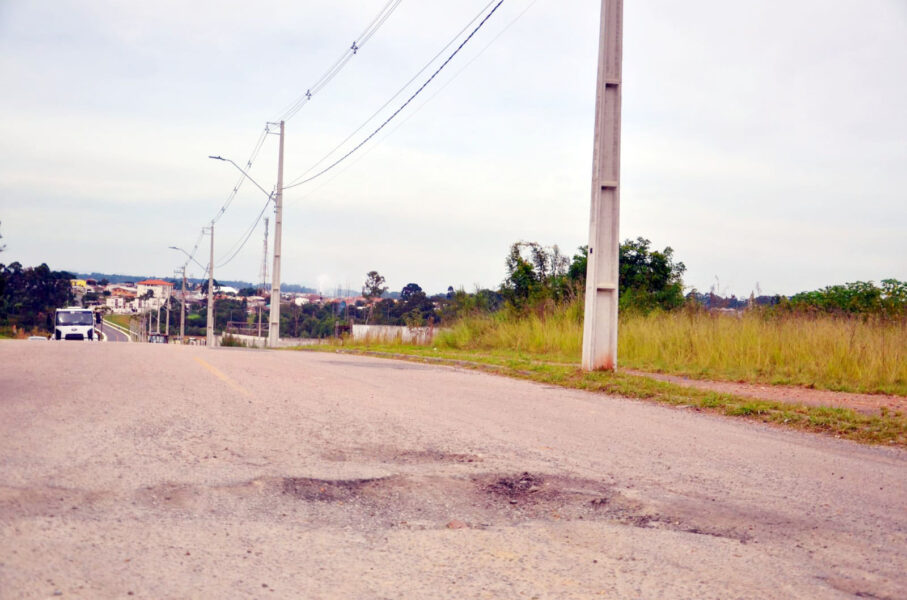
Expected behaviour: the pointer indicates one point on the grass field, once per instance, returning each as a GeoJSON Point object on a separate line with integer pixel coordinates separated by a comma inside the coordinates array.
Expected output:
{"type": "Point", "coordinates": [121, 320]}
{"type": "Point", "coordinates": [825, 352]}
{"type": "Point", "coordinates": [835, 353]}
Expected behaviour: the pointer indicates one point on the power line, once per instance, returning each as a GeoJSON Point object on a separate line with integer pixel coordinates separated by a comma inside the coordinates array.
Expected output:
{"type": "Point", "coordinates": [429, 99]}
{"type": "Point", "coordinates": [252, 156]}
{"type": "Point", "coordinates": [328, 75]}
{"type": "Point", "coordinates": [240, 242]}
{"type": "Point", "coordinates": [360, 41]}
{"type": "Point", "coordinates": [404, 105]}
{"type": "Point", "coordinates": [239, 182]}
{"type": "Point", "coordinates": [396, 95]}
{"type": "Point", "coordinates": [246, 236]}
{"type": "Point", "coordinates": [198, 241]}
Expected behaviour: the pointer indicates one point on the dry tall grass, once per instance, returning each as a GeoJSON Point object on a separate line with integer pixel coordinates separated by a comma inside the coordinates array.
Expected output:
{"type": "Point", "coordinates": [555, 335]}
{"type": "Point", "coordinates": [852, 354]}
{"type": "Point", "coordinates": [838, 353]}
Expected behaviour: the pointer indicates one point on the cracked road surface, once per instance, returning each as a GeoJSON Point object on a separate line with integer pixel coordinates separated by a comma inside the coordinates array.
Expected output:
{"type": "Point", "coordinates": [158, 471]}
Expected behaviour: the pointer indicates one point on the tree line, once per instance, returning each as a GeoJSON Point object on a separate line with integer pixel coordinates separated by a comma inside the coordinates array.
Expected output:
{"type": "Point", "coordinates": [538, 278]}
{"type": "Point", "coordinates": [30, 295]}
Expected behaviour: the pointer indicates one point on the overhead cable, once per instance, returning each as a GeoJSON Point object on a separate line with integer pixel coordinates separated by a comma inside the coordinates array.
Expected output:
{"type": "Point", "coordinates": [254, 154]}
{"type": "Point", "coordinates": [397, 94]}
{"type": "Point", "coordinates": [239, 182]}
{"type": "Point", "coordinates": [357, 45]}
{"type": "Point", "coordinates": [328, 75]}
{"type": "Point", "coordinates": [246, 237]}
{"type": "Point", "coordinates": [415, 110]}
{"type": "Point", "coordinates": [198, 241]}
{"type": "Point", "coordinates": [403, 106]}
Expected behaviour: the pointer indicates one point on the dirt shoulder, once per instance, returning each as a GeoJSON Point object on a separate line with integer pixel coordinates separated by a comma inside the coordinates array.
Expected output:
{"type": "Point", "coordinates": [870, 404]}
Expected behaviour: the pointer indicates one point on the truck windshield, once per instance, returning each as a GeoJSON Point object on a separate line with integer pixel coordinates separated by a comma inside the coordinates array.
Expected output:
{"type": "Point", "coordinates": [75, 318]}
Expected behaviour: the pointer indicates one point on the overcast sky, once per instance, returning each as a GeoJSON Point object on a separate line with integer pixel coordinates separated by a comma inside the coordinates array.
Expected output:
{"type": "Point", "coordinates": [766, 142]}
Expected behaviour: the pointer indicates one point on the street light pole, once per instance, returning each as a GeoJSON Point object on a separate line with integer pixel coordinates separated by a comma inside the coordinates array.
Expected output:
{"type": "Point", "coordinates": [209, 340]}
{"type": "Point", "coordinates": [274, 319]}
{"type": "Point", "coordinates": [192, 258]}
{"type": "Point", "coordinates": [183, 310]}
{"type": "Point", "coordinates": [183, 299]}
{"type": "Point", "coordinates": [181, 273]}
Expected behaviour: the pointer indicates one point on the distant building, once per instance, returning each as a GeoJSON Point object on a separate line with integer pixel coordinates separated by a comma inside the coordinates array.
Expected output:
{"type": "Point", "coordinates": [160, 292]}
{"type": "Point", "coordinates": [117, 304]}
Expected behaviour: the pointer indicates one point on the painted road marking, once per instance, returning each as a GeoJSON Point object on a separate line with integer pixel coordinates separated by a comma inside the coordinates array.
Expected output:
{"type": "Point", "coordinates": [223, 377]}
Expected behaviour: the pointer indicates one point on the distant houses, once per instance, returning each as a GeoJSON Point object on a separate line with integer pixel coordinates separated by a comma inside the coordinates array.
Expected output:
{"type": "Point", "coordinates": [151, 294]}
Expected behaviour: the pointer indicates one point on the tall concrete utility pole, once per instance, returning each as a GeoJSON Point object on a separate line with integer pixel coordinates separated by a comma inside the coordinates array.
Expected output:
{"type": "Point", "coordinates": [182, 272]}
{"type": "Point", "coordinates": [274, 320]}
{"type": "Point", "coordinates": [209, 340]}
{"type": "Point", "coordinates": [263, 276]}
{"type": "Point", "coordinates": [602, 271]}
{"type": "Point", "coordinates": [183, 310]}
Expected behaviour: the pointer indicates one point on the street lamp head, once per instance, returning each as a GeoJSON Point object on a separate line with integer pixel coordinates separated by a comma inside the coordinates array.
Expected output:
{"type": "Point", "coordinates": [218, 158]}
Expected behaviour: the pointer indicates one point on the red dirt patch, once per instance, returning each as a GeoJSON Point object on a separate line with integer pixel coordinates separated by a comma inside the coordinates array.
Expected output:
{"type": "Point", "coordinates": [871, 404]}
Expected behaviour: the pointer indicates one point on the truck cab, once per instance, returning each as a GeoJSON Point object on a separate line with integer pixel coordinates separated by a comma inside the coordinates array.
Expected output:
{"type": "Point", "coordinates": [74, 323]}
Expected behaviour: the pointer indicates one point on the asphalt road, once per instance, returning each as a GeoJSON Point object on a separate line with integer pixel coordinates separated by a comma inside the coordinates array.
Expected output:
{"type": "Point", "coordinates": [164, 471]}
{"type": "Point", "coordinates": [112, 334]}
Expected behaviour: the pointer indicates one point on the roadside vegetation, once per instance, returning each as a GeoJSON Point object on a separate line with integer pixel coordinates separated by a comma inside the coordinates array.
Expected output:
{"type": "Point", "coordinates": [121, 320]}
{"type": "Point", "coordinates": [834, 352]}
{"type": "Point", "coordinates": [850, 337]}
{"type": "Point", "coordinates": [28, 298]}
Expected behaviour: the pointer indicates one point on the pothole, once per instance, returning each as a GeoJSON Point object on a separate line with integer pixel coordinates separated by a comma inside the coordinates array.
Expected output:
{"type": "Point", "coordinates": [389, 455]}
{"type": "Point", "coordinates": [325, 490]}
{"type": "Point", "coordinates": [516, 488]}
{"type": "Point", "coordinates": [375, 503]}
{"type": "Point", "coordinates": [431, 456]}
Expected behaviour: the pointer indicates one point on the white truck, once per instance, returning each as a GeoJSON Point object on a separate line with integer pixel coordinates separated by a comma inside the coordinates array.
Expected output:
{"type": "Point", "coordinates": [74, 323]}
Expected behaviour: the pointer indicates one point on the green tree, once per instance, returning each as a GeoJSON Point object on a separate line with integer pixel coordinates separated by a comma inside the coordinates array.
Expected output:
{"type": "Point", "coordinates": [535, 273]}
{"type": "Point", "coordinates": [415, 308]}
{"type": "Point", "coordinates": [857, 297]}
{"type": "Point", "coordinates": [374, 285]}
{"type": "Point", "coordinates": [373, 289]}
{"type": "Point", "coordinates": [648, 278]}
{"type": "Point", "coordinates": [576, 272]}
{"type": "Point", "coordinates": [409, 290]}
{"type": "Point", "coordinates": [29, 296]}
